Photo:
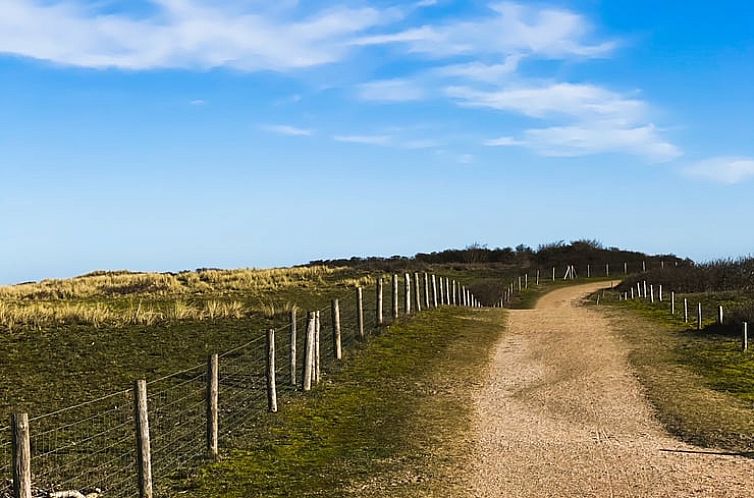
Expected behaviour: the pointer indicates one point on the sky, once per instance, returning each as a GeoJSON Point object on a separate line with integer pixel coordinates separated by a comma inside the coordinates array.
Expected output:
{"type": "Point", "coordinates": [161, 135]}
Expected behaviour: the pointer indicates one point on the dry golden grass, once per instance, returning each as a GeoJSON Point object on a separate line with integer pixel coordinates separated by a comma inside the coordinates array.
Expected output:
{"type": "Point", "coordinates": [114, 284]}
{"type": "Point", "coordinates": [122, 298]}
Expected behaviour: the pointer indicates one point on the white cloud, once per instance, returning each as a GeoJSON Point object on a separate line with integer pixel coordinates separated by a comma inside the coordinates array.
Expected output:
{"type": "Point", "coordinates": [503, 142]}
{"type": "Point", "coordinates": [553, 100]}
{"type": "Point", "coordinates": [288, 130]}
{"type": "Point", "coordinates": [570, 141]}
{"type": "Point", "coordinates": [198, 102]}
{"type": "Point", "coordinates": [396, 90]}
{"type": "Point", "coordinates": [479, 71]}
{"type": "Point", "coordinates": [512, 28]}
{"type": "Point", "coordinates": [466, 158]}
{"type": "Point", "coordinates": [181, 34]}
{"type": "Point", "coordinates": [364, 139]}
{"type": "Point", "coordinates": [726, 170]}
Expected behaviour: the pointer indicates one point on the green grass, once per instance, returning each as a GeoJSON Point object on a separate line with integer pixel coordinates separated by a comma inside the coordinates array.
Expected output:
{"type": "Point", "coordinates": [700, 382]}
{"type": "Point", "coordinates": [388, 423]}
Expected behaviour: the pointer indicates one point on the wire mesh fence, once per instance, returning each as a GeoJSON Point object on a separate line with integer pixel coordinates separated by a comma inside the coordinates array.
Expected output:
{"type": "Point", "coordinates": [92, 447]}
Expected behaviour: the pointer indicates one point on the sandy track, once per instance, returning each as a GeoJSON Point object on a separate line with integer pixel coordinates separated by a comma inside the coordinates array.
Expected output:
{"type": "Point", "coordinates": [561, 414]}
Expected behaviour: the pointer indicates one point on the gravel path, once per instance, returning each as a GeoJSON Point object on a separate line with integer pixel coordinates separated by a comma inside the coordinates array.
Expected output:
{"type": "Point", "coordinates": [562, 414]}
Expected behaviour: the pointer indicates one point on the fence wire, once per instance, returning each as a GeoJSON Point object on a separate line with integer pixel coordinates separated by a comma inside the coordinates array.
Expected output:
{"type": "Point", "coordinates": [91, 447]}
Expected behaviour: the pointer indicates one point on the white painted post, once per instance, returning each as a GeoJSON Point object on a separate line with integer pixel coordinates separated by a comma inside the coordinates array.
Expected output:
{"type": "Point", "coordinates": [553, 273]}
{"type": "Point", "coordinates": [417, 293]}
{"type": "Point", "coordinates": [407, 291]}
{"type": "Point", "coordinates": [660, 292]}
{"type": "Point", "coordinates": [378, 305]}
{"type": "Point", "coordinates": [272, 397]}
{"type": "Point", "coordinates": [588, 271]}
{"type": "Point", "coordinates": [672, 303]}
{"type": "Point", "coordinates": [685, 310]}
{"type": "Point", "coordinates": [434, 291]}
{"type": "Point", "coordinates": [360, 311]}
{"type": "Point", "coordinates": [644, 266]}
{"type": "Point", "coordinates": [652, 294]}
{"type": "Point", "coordinates": [442, 290]}
{"type": "Point", "coordinates": [699, 317]}
{"type": "Point", "coordinates": [607, 269]}
{"type": "Point", "coordinates": [720, 315]}
{"type": "Point", "coordinates": [537, 278]}
{"type": "Point", "coordinates": [527, 280]}
{"type": "Point", "coordinates": [394, 295]}
{"type": "Point", "coordinates": [308, 352]}
{"type": "Point", "coordinates": [745, 341]}
{"type": "Point", "coordinates": [645, 289]}
{"type": "Point", "coordinates": [632, 293]}
{"type": "Point", "coordinates": [426, 291]}
{"type": "Point", "coordinates": [625, 268]}
{"type": "Point", "coordinates": [336, 339]}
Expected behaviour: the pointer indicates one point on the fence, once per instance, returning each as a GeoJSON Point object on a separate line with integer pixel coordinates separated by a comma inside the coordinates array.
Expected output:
{"type": "Point", "coordinates": [139, 441]}
{"type": "Point", "coordinates": [696, 312]}
{"type": "Point", "coordinates": [604, 270]}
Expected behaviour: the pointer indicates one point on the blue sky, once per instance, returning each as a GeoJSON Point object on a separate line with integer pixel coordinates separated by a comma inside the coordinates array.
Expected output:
{"type": "Point", "coordinates": [174, 134]}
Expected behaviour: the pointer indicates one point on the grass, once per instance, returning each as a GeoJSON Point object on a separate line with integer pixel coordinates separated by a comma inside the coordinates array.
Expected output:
{"type": "Point", "coordinates": [391, 422]}
{"type": "Point", "coordinates": [700, 382]}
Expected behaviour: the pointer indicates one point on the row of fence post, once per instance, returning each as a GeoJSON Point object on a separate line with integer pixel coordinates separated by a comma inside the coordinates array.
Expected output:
{"type": "Point", "coordinates": [446, 293]}
{"type": "Point", "coordinates": [643, 286]}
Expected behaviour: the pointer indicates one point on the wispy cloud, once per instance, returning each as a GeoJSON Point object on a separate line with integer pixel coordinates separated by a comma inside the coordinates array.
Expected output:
{"type": "Point", "coordinates": [725, 170]}
{"type": "Point", "coordinates": [502, 142]}
{"type": "Point", "coordinates": [597, 120]}
{"type": "Point", "coordinates": [198, 102]}
{"type": "Point", "coordinates": [364, 139]}
{"type": "Point", "coordinates": [291, 131]}
{"type": "Point", "coordinates": [571, 141]}
{"type": "Point", "coordinates": [553, 100]}
{"type": "Point", "coordinates": [182, 34]}
{"type": "Point", "coordinates": [396, 90]}
{"type": "Point", "coordinates": [511, 28]}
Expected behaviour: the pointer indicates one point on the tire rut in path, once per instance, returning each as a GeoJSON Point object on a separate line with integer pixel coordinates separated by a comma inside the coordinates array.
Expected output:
{"type": "Point", "coordinates": [562, 414]}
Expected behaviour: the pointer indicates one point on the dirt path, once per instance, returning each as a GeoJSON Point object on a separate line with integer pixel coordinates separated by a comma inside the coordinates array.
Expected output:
{"type": "Point", "coordinates": [562, 415]}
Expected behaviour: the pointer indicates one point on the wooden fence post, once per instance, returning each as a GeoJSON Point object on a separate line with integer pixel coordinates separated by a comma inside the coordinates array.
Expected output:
{"type": "Point", "coordinates": [336, 342]}
{"type": "Point", "coordinates": [699, 317]}
{"type": "Point", "coordinates": [441, 290]}
{"type": "Point", "coordinates": [21, 455]}
{"type": "Point", "coordinates": [143, 450]}
{"type": "Point", "coordinates": [360, 311]}
{"type": "Point", "coordinates": [660, 292]}
{"type": "Point", "coordinates": [685, 310]}
{"type": "Point", "coordinates": [394, 295]}
{"type": "Point", "coordinates": [607, 269]}
{"type": "Point", "coordinates": [407, 291]}
{"type": "Point", "coordinates": [645, 289]}
{"type": "Point", "coordinates": [720, 315]}
{"type": "Point", "coordinates": [434, 291]}
{"type": "Point", "coordinates": [672, 302]}
{"type": "Point", "coordinates": [454, 298]}
{"type": "Point", "coordinates": [317, 347]}
{"type": "Point", "coordinates": [519, 283]}
{"type": "Point", "coordinates": [447, 290]}
{"type": "Point", "coordinates": [652, 294]}
{"type": "Point", "coordinates": [417, 293]}
{"type": "Point", "coordinates": [588, 271]}
{"type": "Point", "coordinates": [553, 273]}
{"type": "Point", "coordinates": [272, 396]}
{"type": "Point", "coordinates": [537, 277]}
{"type": "Point", "coordinates": [526, 280]}
{"type": "Point", "coordinates": [213, 387]}
{"type": "Point", "coordinates": [625, 268]}
{"type": "Point", "coordinates": [632, 292]}
{"type": "Point", "coordinates": [745, 339]}
{"type": "Point", "coordinates": [308, 352]}
{"type": "Point", "coordinates": [292, 347]}
{"type": "Point", "coordinates": [380, 318]}
{"type": "Point", "coordinates": [426, 290]}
